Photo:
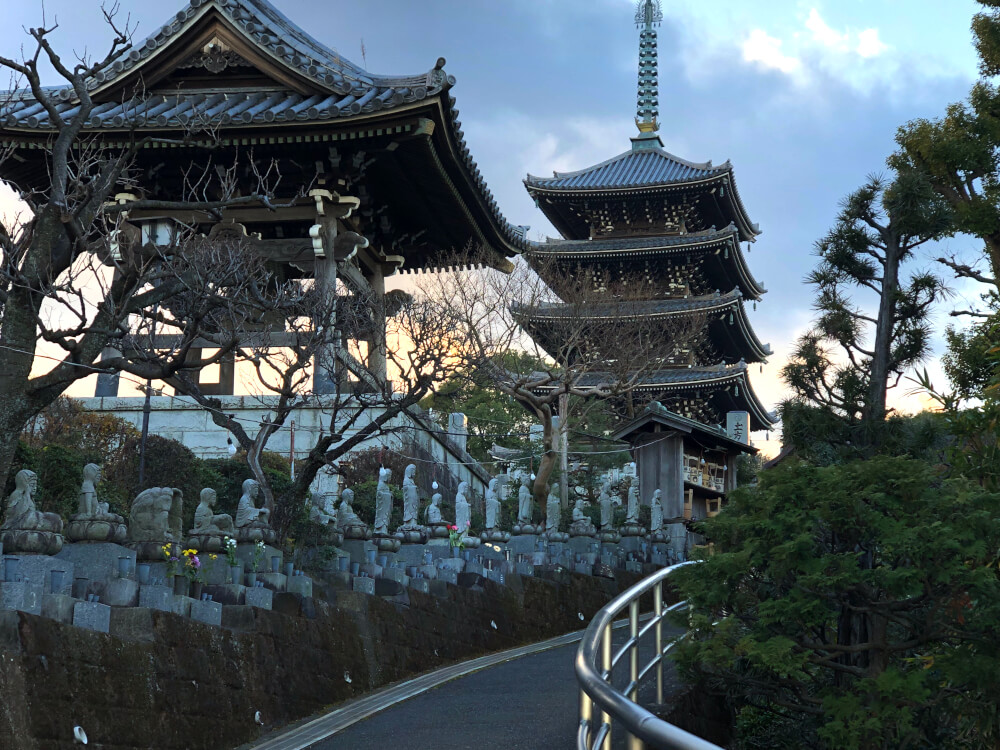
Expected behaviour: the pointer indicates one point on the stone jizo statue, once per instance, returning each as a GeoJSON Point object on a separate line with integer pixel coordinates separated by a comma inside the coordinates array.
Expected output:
{"type": "Point", "coordinates": [463, 511]}
{"type": "Point", "coordinates": [432, 515]}
{"type": "Point", "coordinates": [524, 501]}
{"type": "Point", "coordinates": [581, 524]}
{"type": "Point", "coordinates": [632, 514]}
{"type": "Point", "coordinates": [25, 528]}
{"type": "Point", "coordinates": [350, 524]}
{"type": "Point", "coordinates": [656, 512]}
{"type": "Point", "coordinates": [322, 510]}
{"type": "Point", "coordinates": [207, 521]}
{"type": "Point", "coordinates": [155, 521]}
{"type": "Point", "coordinates": [93, 522]}
{"type": "Point", "coordinates": [607, 507]}
{"type": "Point", "coordinates": [552, 510]}
{"type": "Point", "coordinates": [253, 523]}
{"type": "Point", "coordinates": [383, 503]}
{"type": "Point", "coordinates": [492, 505]}
{"type": "Point", "coordinates": [411, 498]}
{"type": "Point", "coordinates": [247, 513]}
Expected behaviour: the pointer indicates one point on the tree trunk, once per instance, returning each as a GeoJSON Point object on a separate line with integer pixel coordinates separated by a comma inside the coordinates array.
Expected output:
{"type": "Point", "coordinates": [878, 383]}
{"type": "Point", "coordinates": [547, 463]}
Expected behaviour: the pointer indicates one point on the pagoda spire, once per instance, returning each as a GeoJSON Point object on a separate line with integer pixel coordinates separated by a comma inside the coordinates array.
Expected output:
{"type": "Point", "coordinates": [648, 16]}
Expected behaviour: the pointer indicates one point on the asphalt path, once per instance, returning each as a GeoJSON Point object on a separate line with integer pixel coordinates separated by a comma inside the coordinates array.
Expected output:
{"type": "Point", "coordinates": [531, 703]}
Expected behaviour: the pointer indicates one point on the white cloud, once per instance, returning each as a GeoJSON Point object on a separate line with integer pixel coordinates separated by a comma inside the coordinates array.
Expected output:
{"type": "Point", "coordinates": [869, 45]}
{"type": "Point", "coordinates": [823, 34]}
{"type": "Point", "coordinates": [764, 49]}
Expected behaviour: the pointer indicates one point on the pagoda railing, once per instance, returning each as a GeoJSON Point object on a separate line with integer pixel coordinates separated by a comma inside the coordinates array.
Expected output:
{"type": "Point", "coordinates": [602, 706]}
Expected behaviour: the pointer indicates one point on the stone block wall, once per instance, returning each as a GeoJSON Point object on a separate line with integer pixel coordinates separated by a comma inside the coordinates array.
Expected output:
{"type": "Point", "coordinates": [174, 684]}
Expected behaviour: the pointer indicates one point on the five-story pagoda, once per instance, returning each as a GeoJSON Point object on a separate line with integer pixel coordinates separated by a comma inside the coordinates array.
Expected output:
{"type": "Point", "coordinates": [676, 228]}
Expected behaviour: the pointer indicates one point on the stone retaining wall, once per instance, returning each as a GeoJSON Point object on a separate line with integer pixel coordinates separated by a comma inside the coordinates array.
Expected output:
{"type": "Point", "coordinates": [162, 681]}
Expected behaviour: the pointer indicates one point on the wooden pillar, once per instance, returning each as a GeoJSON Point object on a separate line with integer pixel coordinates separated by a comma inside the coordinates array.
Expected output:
{"type": "Point", "coordinates": [324, 234]}
{"type": "Point", "coordinates": [377, 340]}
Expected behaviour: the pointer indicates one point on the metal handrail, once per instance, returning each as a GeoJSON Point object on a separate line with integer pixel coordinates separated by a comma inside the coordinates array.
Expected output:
{"type": "Point", "coordinates": [601, 704]}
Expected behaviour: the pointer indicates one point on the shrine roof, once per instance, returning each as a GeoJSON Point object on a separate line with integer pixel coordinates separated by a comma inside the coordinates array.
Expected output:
{"type": "Point", "coordinates": [631, 169]}
{"type": "Point", "coordinates": [657, 414]}
{"type": "Point", "coordinates": [609, 245]}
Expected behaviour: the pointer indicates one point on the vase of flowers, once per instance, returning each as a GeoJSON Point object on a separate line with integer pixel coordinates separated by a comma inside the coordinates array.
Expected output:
{"type": "Point", "coordinates": [235, 567]}
{"type": "Point", "coordinates": [192, 571]}
{"type": "Point", "coordinates": [455, 539]}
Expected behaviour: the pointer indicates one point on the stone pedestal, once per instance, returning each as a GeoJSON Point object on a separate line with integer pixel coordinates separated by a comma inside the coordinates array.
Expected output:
{"type": "Point", "coordinates": [524, 569]}
{"type": "Point", "coordinates": [583, 544]}
{"type": "Point", "coordinates": [420, 584]}
{"type": "Point", "coordinates": [31, 542]}
{"type": "Point", "coordinates": [386, 543]}
{"type": "Point", "coordinates": [413, 534]}
{"type": "Point", "coordinates": [244, 553]}
{"type": "Point", "coordinates": [258, 597]}
{"type": "Point", "coordinates": [92, 616]}
{"type": "Point", "coordinates": [412, 554]}
{"type": "Point", "coordinates": [396, 574]}
{"type": "Point", "coordinates": [364, 585]}
{"type": "Point", "coordinates": [255, 532]}
{"type": "Point", "coordinates": [90, 529]}
{"type": "Point", "coordinates": [497, 536]}
{"type": "Point", "coordinates": [358, 549]}
{"type": "Point", "coordinates": [181, 605]}
{"type": "Point", "coordinates": [207, 544]}
{"type": "Point", "coordinates": [23, 596]}
{"type": "Point", "coordinates": [456, 564]}
{"type": "Point", "coordinates": [121, 592]}
{"type": "Point", "coordinates": [583, 569]}
{"type": "Point", "coordinates": [556, 536]}
{"type": "Point", "coordinates": [632, 544]}
{"type": "Point", "coordinates": [273, 581]}
{"type": "Point", "coordinates": [209, 613]}
{"type": "Point", "coordinates": [37, 569]}
{"type": "Point", "coordinates": [157, 597]}
{"type": "Point", "coordinates": [372, 570]}
{"type": "Point", "coordinates": [633, 566]}
{"type": "Point", "coordinates": [523, 544]}
{"type": "Point", "coordinates": [300, 585]}
{"type": "Point", "coordinates": [527, 529]}
{"type": "Point", "coordinates": [609, 536]}
{"type": "Point", "coordinates": [58, 607]}
{"type": "Point", "coordinates": [228, 593]}
{"type": "Point", "coordinates": [428, 571]}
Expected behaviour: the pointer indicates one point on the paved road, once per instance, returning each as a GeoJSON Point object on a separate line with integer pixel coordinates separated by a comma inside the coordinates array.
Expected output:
{"type": "Point", "coordinates": [528, 704]}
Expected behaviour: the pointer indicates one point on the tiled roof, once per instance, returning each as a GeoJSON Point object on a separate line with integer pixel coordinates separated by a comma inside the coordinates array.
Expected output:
{"type": "Point", "coordinates": [706, 303]}
{"type": "Point", "coordinates": [631, 169]}
{"type": "Point", "coordinates": [344, 89]}
{"type": "Point", "coordinates": [635, 244]}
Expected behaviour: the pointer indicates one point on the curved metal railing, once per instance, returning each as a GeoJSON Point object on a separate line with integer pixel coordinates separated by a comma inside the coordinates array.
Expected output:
{"type": "Point", "coordinates": [601, 704]}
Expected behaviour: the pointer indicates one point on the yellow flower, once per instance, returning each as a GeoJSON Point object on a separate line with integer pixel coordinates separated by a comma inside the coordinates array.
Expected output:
{"type": "Point", "coordinates": [214, 557]}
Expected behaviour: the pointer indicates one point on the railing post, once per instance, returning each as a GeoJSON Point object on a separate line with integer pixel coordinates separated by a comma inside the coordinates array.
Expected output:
{"type": "Point", "coordinates": [586, 714]}
{"type": "Point", "coordinates": [634, 743]}
{"type": "Point", "coordinates": [607, 666]}
{"type": "Point", "coordinates": [658, 632]}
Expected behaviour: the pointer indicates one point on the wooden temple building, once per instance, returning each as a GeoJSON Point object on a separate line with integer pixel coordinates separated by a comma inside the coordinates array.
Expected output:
{"type": "Point", "coordinates": [677, 227]}
{"type": "Point", "coordinates": [376, 177]}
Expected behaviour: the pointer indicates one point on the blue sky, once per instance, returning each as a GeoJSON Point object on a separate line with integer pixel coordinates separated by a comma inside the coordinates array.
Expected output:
{"type": "Point", "coordinates": [803, 97]}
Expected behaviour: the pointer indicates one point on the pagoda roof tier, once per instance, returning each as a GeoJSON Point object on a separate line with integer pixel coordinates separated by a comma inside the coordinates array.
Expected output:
{"type": "Point", "coordinates": [727, 387]}
{"type": "Point", "coordinates": [642, 172]}
{"type": "Point", "coordinates": [727, 266]}
{"type": "Point", "coordinates": [728, 324]}
{"type": "Point", "coordinates": [241, 72]}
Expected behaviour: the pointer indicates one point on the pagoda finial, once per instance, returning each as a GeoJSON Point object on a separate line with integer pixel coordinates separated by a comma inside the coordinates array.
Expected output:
{"type": "Point", "coordinates": [648, 15]}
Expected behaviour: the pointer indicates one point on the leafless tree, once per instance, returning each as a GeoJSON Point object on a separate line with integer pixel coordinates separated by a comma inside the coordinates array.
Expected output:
{"type": "Point", "coordinates": [592, 339]}
{"type": "Point", "coordinates": [75, 274]}
{"type": "Point", "coordinates": [304, 322]}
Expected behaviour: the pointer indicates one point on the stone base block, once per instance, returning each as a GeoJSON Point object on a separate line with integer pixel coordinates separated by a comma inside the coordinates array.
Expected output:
{"type": "Point", "coordinates": [209, 613]}
{"type": "Point", "coordinates": [181, 605]}
{"type": "Point", "coordinates": [133, 624]}
{"type": "Point", "coordinates": [356, 532]}
{"type": "Point", "coordinates": [411, 554]}
{"type": "Point", "coordinates": [474, 566]}
{"type": "Point", "coordinates": [273, 581]}
{"type": "Point", "coordinates": [583, 569]}
{"type": "Point", "coordinates": [207, 544]}
{"type": "Point", "coordinates": [358, 549]}
{"type": "Point", "coordinates": [438, 542]}
{"type": "Point", "coordinates": [447, 575]}
{"type": "Point", "coordinates": [420, 584]}
{"type": "Point", "coordinates": [456, 564]}
{"type": "Point", "coordinates": [245, 552]}
{"type": "Point", "coordinates": [524, 569]}
{"type": "Point", "coordinates": [252, 534]}
{"type": "Point", "coordinates": [22, 596]}
{"type": "Point", "coordinates": [31, 542]}
{"type": "Point", "coordinates": [92, 616]}
{"type": "Point", "coordinates": [259, 597]}
{"type": "Point", "coordinates": [497, 576]}
{"type": "Point", "coordinates": [150, 551]}
{"type": "Point", "coordinates": [37, 569]}
{"type": "Point", "coordinates": [396, 574]}
{"type": "Point", "coordinates": [523, 544]}
{"type": "Point", "coordinates": [539, 558]}
{"type": "Point", "coordinates": [228, 593]}
{"type": "Point", "coordinates": [364, 585]}
{"type": "Point", "coordinates": [157, 597]}
{"type": "Point", "coordinates": [428, 571]}
{"type": "Point", "coordinates": [413, 534]}
{"type": "Point", "coordinates": [633, 544]}
{"type": "Point", "coordinates": [632, 566]}
{"type": "Point", "coordinates": [302, 585]}
{"type": "Point", "coordinates": [216, 572]}
{"type": "Point", "coordinates": [493, 551]}
{"type": "Point", "coordinates": [439, 588]}
{"type": "Point", "coordinates": [58, 607]}
{"type": "Point", "coordinates": [121, 592]}
{"type": "Point", "coordinates": [372, 570]}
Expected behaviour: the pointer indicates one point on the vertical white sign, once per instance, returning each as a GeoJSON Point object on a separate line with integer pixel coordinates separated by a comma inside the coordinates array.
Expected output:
{"type": "Point", "coordinates": [738, 426]}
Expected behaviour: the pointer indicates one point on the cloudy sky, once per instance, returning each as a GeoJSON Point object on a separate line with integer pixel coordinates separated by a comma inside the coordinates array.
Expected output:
{"type": "Point", "coordinates": [803, 96]}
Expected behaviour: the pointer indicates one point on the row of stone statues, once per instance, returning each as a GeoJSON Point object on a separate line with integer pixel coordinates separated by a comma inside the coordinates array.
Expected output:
{"type": "Point", "coordinates": [156, 519]}
{"type": "Point", "coordinates": [346, 522]}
